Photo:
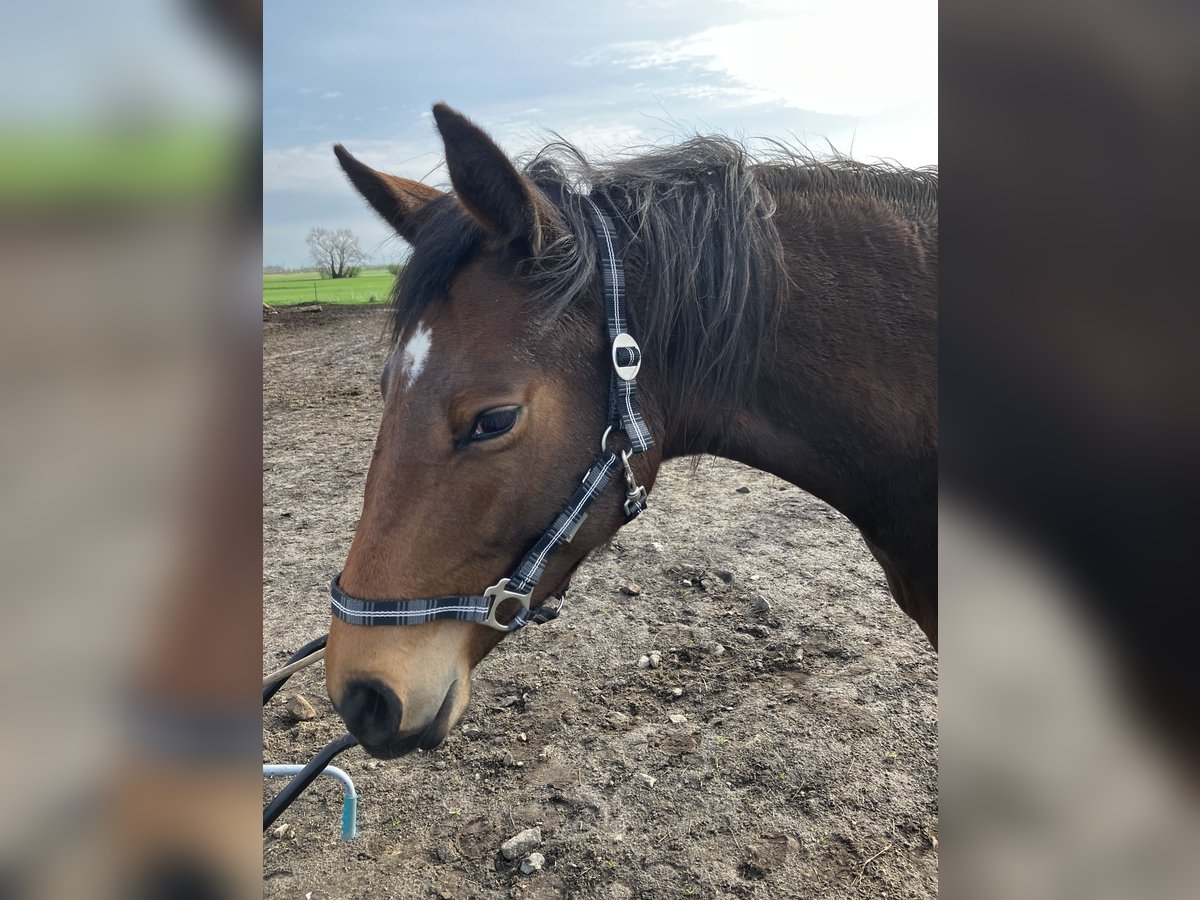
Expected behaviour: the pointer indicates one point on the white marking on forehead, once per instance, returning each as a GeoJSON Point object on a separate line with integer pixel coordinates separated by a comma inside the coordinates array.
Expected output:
{"type": "Point", "coordinates": [416, 351]}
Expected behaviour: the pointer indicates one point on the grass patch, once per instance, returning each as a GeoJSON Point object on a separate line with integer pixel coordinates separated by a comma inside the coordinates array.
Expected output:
{"type": "Point", "coordinates": [370, 286]}
{"type": "Point", "coordinates": [114, 166]}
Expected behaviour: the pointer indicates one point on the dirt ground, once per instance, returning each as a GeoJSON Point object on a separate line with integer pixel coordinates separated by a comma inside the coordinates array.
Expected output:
{"type": "Point", "coordinates": [806, 765]}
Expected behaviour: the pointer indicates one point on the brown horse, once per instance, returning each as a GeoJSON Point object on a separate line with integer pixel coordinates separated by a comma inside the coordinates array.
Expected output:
{"type": "Point", "coordinates": [787, 312]}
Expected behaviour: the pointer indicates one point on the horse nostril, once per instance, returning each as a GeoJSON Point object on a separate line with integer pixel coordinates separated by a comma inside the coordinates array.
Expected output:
{"type": "Point", "coordinates": [372, 712]}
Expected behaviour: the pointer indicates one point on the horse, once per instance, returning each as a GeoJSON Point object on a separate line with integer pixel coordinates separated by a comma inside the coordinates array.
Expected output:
{"type": "Point", "coordinates": [781, 312]}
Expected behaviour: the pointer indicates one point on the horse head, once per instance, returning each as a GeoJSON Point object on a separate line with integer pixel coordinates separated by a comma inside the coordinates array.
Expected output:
{"type": "Point", "coordinates": [491, 414]}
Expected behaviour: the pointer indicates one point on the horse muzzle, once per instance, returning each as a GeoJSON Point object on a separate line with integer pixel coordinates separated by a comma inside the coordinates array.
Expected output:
{"type": "Point", "coordinates": [374, 714]}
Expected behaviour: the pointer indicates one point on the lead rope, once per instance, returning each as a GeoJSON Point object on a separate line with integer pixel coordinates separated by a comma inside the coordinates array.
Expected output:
{"type": "Point", "coordinates": [624, 415]}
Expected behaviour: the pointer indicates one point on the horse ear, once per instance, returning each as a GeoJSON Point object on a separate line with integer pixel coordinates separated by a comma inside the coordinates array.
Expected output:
{"type": "Point", "coordinates": [399, 200]}
{"type": "Point", "coordinates": [488, 185]}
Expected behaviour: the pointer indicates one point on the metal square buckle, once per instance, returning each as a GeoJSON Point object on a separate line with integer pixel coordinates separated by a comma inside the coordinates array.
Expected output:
{"type": "Point", "coordinates": [498, 593]}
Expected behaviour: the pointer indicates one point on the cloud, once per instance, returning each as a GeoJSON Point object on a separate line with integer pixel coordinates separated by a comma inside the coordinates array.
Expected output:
{"type": "Point", "coordinates": [323, 94]}
{"type": "Point", "coordinates": [312, 168]}
{"type": "Point", "coordinates": [853, 58]}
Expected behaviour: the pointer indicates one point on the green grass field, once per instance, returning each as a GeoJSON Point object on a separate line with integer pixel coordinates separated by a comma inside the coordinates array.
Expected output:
{"type": "Point", "coordinates": [155, 162]}
{"type": "Point", "coordinates": [369, 286]}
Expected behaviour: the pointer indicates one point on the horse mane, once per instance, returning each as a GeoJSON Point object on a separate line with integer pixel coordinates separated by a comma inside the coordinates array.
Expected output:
{"type": "Point", "coordinates": [704, 263]}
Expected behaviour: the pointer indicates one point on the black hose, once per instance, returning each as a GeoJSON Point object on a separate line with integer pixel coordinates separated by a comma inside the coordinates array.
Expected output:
{"type": "Point", "coordinates": [307, 775]}
{"type": "Point", "coordinates": [311, 647]}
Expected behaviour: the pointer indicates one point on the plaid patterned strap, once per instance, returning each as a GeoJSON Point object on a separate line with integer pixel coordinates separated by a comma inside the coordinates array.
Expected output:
{"type": "Point", "coordinates": [529, 572]}
{"type": "Point", "coordinates": [477, 608]}
{"type": "Point", "coordinates": [623, 410]}
{"type": "Point", "coordinates": [405, 612]}
{"type": "Point", "coordinates": [429, 609]}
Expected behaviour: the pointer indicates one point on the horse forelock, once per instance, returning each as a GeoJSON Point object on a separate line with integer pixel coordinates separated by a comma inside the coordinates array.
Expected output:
{"type": "Point", "coordinates": [446, 241]}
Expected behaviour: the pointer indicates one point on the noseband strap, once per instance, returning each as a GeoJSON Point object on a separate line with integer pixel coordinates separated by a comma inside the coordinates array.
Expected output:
{"type": "Point", "coordinates": [624, 415]}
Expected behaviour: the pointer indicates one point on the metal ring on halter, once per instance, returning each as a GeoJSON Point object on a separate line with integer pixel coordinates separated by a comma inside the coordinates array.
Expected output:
{"type": "Point", "coordinates": [562, 598]}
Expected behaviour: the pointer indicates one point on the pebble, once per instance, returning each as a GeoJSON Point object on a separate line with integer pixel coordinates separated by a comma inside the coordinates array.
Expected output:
{"type": "Point", "coordinates": [799, 654]}
{"type": "Point", "coordinates": [522, 737]}
{"type": "Point", "coordinates": [521, 843]}
{"type": "Point", "coordinates": [677, 718]}
{"type": "Point", "coordinates": [647, 780]}
{"type": "Point", "coordinates": [371, 764]}
{"type": "Point", "coordinates": [651, 660]}
{"type": "Point", "coordinates": [760, 603]}
{"type": "Point", "coordinates": [743, 490]}
{"type": "Point", "coordinates": [632, 589]}
{"type": "Point", "coordinates": [284, 831]}
{"type": "Point", "coordinates": [532, 863]}
{"type": "Point", "coordinates": [676, 692]}
{"type": "Point", "coordinates": [300, 709]}
{"type": "Point", "coordinates": [718, 649]}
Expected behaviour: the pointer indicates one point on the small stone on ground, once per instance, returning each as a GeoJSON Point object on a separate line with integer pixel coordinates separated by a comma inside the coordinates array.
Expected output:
{"type": "Point", "coordinates": [532, 863]}
{"type": "Point", "coordinates": [300, 709]}
{"type": "Point", "coordinates": [521, 843]}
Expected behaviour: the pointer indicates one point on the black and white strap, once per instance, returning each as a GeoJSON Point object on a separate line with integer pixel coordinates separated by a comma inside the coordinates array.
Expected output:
{"type": "Point", "coordinates": [624, 416]}
{"type": "Point", "coordinates": [473, 608]}
{"type": "Point", "coordinates": [623, 411]}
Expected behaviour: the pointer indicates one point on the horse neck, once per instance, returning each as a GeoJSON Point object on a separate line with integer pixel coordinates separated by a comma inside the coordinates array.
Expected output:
{"type": "Point", "coordinates": [845, 404]}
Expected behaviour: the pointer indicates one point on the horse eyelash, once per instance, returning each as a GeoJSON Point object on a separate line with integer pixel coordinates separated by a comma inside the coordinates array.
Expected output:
{"type": "Point", "coordinates": [471, 437]}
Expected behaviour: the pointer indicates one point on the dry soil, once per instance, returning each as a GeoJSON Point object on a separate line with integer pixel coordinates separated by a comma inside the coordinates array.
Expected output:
{"type": "Point", "coordinates": [805, 761]}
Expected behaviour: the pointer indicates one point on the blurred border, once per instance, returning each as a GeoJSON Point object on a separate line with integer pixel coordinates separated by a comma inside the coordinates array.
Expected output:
{"type": "Point", "coordinates": [1070, 309]}
{"type": "Point", "coordinates": [130, 210]}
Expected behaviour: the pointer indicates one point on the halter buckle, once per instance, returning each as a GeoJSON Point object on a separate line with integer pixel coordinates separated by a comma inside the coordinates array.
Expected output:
{"type": "Point", "coordinates": [635, 494]}
{"type": "Point", "coordinates": [498, 593]}
{"type": "Point", "coordinates": [625, 341]}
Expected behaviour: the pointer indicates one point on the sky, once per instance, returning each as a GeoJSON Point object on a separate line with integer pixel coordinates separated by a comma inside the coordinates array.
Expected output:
{"type": "Point", "coordinates": [856, 75]}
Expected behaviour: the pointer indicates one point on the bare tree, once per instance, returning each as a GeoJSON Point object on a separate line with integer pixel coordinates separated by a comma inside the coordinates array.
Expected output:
{"type": "Point", "coordinates": [335, 253]}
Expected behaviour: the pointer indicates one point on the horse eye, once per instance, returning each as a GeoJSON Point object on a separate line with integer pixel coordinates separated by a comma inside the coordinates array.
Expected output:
{"type": "Point", "coordinates": [494, 423]}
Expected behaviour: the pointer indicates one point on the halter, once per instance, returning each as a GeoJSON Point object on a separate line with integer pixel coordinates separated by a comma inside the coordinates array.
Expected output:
{"type": "Point", "coordinates": [623, 416]}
